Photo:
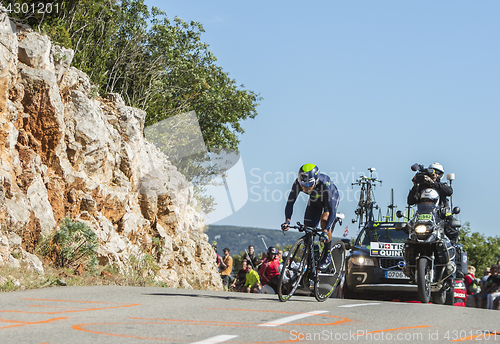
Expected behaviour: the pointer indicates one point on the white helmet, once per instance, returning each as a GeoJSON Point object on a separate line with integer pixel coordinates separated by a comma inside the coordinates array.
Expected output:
{"type": "Point", "coordinates": [429, 195]}
{"type": "Point", "coordinates": [267, 289]}
{"type": "Point", "coordinates": [437, 167]}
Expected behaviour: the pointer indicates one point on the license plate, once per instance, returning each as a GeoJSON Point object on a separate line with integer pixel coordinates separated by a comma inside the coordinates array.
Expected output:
{"type": "Point", "coordinates": [396, 275]}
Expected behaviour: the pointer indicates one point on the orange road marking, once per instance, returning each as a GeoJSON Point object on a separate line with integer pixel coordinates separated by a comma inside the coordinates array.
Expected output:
{"type": "Point", "coordinates": [24, 323]}
{"type": "Point", "coordinates": [69, 309]}
{"type": "Point", "coordinates": [80, 328]}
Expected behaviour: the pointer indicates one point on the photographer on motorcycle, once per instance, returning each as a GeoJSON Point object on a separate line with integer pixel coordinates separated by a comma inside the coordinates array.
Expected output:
{"type": "Point", "coordinates": [431, 178]}
{"type": "Point", "coordinates": [321, 207]}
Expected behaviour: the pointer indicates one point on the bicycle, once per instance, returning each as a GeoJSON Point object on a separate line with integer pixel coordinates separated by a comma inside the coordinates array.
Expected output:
{"type": "Point", "coordinates": [366, 203]}
{"type": "Point", "coordinates": [301, 266]}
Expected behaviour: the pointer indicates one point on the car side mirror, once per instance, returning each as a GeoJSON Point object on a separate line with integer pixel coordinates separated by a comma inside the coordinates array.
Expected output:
{"type": "Point", "coordinates": [347, 244]}
{"type": "Point", "coordinates": [399, 214]}
{"type": "Point", "coordinates": [456, 210]}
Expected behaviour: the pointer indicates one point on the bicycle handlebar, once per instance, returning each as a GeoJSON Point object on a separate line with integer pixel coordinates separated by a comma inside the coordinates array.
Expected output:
{"type": "Point", "coordinates": [303, 228]}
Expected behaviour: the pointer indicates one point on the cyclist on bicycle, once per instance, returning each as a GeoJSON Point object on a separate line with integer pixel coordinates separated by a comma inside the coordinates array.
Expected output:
{"type": "Point", "coordinates": [321, 207]}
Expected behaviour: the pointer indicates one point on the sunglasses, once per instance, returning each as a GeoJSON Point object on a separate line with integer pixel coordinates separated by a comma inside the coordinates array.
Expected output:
{"type": "Point", "coordinates": [433, 171]}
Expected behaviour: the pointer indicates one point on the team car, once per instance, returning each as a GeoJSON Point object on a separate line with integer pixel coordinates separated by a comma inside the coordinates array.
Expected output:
{"type": "Point", "coordinates": [373, 265]}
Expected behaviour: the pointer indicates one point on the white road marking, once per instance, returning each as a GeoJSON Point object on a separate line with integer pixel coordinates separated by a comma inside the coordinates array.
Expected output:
{"type": "Point", "coordinates": [291, 318]}
{"type": "Point", "coordinates": [360, 304]}
{"type": "Point", "coordinates": [216, 339]}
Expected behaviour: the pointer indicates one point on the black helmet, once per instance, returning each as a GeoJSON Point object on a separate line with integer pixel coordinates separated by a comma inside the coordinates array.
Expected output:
{"type": "Point", "coordinates": [272, 250]}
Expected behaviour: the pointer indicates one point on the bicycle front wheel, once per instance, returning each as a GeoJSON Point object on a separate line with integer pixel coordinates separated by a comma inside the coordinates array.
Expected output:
{"type": "Point", "coordinates": [327, 281]}
{"type": "Point", "coordinates": [293, 270]}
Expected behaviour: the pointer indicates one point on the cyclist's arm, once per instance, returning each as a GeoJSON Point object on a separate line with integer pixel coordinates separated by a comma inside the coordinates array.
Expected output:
{"type": "Point", "coordinates": [294, 193]}
{"type": "Point", "coordinates": [333, 202]}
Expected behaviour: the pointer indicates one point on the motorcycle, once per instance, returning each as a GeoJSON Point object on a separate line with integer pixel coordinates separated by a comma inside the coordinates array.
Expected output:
{"type": "Point", "coordinates": [429, 256]}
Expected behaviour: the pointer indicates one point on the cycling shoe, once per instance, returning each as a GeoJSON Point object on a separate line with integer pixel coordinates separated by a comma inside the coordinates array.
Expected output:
{"type": "Point", "coordinates": [325, 262]}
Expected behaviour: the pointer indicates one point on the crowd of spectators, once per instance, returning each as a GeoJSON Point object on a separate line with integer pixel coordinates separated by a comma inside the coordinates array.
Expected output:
{"type": "Point", "coordinates": [483, 292]}
{"type": "Point", "coordinates": [256, 275]}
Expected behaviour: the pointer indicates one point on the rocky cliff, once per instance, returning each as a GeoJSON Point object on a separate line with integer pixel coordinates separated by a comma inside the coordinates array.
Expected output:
{"type": "Point", "coordinates": [67, 152]}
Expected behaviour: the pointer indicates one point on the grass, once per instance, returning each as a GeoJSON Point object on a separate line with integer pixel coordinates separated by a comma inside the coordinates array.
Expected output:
{"type": "Point", "coordinates": [139, 272]}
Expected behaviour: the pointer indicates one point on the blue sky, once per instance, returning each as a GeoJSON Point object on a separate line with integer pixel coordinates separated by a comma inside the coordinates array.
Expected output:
{"type": "Point", "coordinates": [349, 85]}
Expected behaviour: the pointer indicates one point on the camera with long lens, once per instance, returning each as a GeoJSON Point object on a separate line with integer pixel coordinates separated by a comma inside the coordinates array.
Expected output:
{"type": "Point", "coordinates": [421, 172]}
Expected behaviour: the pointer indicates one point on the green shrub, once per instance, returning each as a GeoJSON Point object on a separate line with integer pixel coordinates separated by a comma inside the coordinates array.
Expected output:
{"type": "Point", "coordinates": [73, 244]}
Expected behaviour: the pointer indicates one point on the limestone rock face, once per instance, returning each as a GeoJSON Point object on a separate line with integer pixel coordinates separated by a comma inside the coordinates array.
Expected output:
{"type": "Point", "coordinates": [65, 153]}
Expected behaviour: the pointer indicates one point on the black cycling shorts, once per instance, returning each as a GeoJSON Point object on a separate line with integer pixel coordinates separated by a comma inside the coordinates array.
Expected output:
{"type": "Point", "coordinates": [313, 216]}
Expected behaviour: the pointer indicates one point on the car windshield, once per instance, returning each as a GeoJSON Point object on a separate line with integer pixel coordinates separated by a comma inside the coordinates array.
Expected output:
{"type": "Point", "coordinates": [382, 234]}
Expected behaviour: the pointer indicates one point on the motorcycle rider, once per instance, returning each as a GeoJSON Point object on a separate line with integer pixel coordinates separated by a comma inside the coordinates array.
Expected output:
{"type": "Point", "coordinates": [432, 180]}
{"type": "Point", "coordinates": [321, 207]}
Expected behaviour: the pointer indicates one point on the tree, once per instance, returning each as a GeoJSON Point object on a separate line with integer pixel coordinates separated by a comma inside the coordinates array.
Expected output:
{"type": "Point", "coordinates": [158, 65]}
{"type": "Point", "coordinates": [482, 252]}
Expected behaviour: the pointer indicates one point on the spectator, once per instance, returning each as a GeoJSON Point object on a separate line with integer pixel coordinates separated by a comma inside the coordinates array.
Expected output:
{"type": "Point", "coordinates": [225, 267]}
{"type": "Point", "coordinates": [251, 257]}
{"type": "Point", "coordinates": [482, 283]}
{"type": "Point", "coordinates": [252, 281]}
{"type": "Point", "coordinates": [280, 256]}
{"type": "Point", "coordinates": [471, 286]}
{"type": "Point", "coordinates": [486, 275]}
{"type": "Point", "coordinates": [494, 292]}
{"type": "Point", "coordinates": [239, 281]}
{"type": "Point", "coordinates": [219, 258]}
{"type": "Point", "coordinates": [269, 269]}
{"type": "Point", "coordinates": [488, 287]}
{"type": "Point", "coordinates": [496, 304]}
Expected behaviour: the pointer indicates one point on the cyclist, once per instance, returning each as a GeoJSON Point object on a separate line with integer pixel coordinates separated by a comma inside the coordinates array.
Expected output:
{"type": "Point", "coordinates": [321, 207]}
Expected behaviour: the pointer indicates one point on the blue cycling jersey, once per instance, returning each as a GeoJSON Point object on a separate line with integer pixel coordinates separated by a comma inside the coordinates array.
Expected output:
{"type": "Point", "coordinates": [324, 196]}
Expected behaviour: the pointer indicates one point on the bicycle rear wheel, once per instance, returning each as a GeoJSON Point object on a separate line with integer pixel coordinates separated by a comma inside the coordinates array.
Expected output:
{"type": "Point", "coordinates": [293, 270]}
{"type": "Point", "coordinates": [327, 281]}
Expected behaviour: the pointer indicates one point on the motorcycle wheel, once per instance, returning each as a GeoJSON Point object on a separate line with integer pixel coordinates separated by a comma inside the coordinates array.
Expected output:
{"type": "Point", "coordinates": [438, 297]}
{"type": "Point", "coordinates": [424, 280]}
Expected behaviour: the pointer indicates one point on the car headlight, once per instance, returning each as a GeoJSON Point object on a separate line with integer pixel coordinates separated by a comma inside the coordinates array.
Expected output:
{"type": "Point", "coordinates": [365, 261]}
{"type": "Point", "coordinates": [421, 229]}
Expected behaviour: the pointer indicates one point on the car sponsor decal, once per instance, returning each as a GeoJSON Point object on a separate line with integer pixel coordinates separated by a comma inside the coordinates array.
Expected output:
{"type": "Point", "coordinates": [384, 249]}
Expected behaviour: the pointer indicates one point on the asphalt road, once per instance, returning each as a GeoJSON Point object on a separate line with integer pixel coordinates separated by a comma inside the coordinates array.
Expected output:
{"type": "Point", "coordinates": [110, 314]}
